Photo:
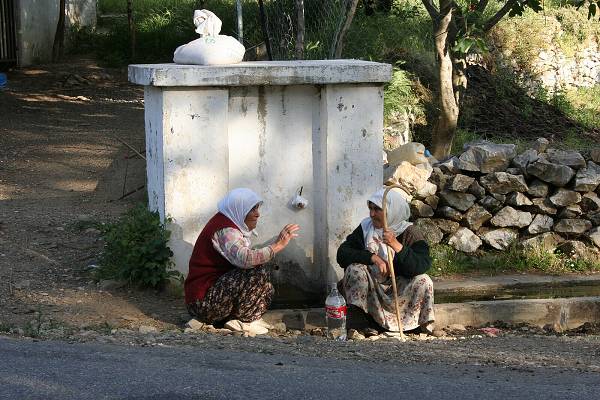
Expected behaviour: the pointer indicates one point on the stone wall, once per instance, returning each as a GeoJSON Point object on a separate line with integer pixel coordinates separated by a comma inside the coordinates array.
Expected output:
{"type": "Point", "coordinates": [491, 197]}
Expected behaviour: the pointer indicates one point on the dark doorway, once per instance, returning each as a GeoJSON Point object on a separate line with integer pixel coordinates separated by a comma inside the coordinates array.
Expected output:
{"type": "Point", "coordinates": [8, 34]}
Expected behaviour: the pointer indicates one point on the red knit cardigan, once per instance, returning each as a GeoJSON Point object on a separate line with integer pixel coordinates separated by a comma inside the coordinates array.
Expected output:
{"type": "Point", "coordinates": [206, 264]}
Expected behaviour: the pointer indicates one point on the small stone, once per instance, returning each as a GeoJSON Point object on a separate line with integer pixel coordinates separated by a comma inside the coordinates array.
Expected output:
{"type": "Point", "coordinates": [429, 189]}
{"type": "Point", "coordinates": [570, 158]}
{"type": "Point", "coordinates": [374, 338]}
{"type": "Point", "coordinates": [432, 201]}
{"type": "Point", "coordinates": [517, 199]}
{"type": "Point", "coordinates": [476, 190]}
{"type": "Point", "coordinates": [194, 324]}
{"type": "Point", "coordinates": [501, 239]}
{"type": "Point", "coordinates": [446, 226]}
{"type": "Point", "coordinates": [524, 159]}
{"type": "Point", "coordinates": [486, 157]}
{"type": "Point", "coordinates": [547, 241]}
{"type": "Point", "coordinates": [541, 206]}
{"type": "Point", "coordinates": [450, 166]}
{"type": "Point", "coordinates": [430, 229]}
{"type": "Point", "coordinates": [353, 334]}
{"type": "Point", "coordinates": [595, 155]}
{"type": "Point", "coordinates": [575, 249]}
{"type": "Point", "coordinates": [556, 174]}
{"type": "Point", "coordinates": [540, 145]}
{"type": "Point", "coordinates": [144, 329]}
{"type": "Point", "coordinates": [590, 202]}
{"type": "Point", "coordinates": [588, 179]}
{"type": "Point", "coordinates": [438, 333]}
{"type": "Point", "coordinates": [594, 236]}
{"type": "Point", "coordinates": [457, 328]}
{"type": "Point", "coordinates": [491, 204]}
{"type": "Point", "coordinates": [503, 183]}
{"type": "Point", "coordinates": [449, 213]}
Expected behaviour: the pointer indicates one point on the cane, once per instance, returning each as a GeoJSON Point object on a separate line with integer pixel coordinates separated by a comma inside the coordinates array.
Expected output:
{"type": "Point", "coordinates": [391, 261]}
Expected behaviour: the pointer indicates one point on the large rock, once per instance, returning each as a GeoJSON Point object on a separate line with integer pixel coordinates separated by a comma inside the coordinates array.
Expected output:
{"type": "Point", "coordinates": [524, 159]}
{"type": "Point", "coordinates": [564, 197]}
{"type": "Point", "coordinates": [546, 241]}
{"type": "Point", "coordinates": [508, 216]}
{"type": "Point", "coordinates": [460, 183]}
{"type": "Point", "coordinates": [588, 179]}
{"type": "Point", "coordinates": [590, 202]}
{"type": "Point", "coordinates": [476, 216]}
{"type": "Point", "coordinates": [541, 206]}
{"type": "Point", "coordinates": [411, 152]}
{"type": "Point", "coordinates": [487, 157]}
{"type": "Point", "coordinates": [594, 236]}
{"type": "Point", "coordinates": [538, 188]}
{"type": "Point", "coordinates": [449, 213]}
{"type": "Point", "coordinates": [540, 224]}
{"type": "Point", "coordinates": [503, 183]}
{"type": "Point", "coordinates": [570, 158]}
{"type": "Point", "coordinates": [433, 234]}
{"type": "Point", "coordinates": [500, 239]}
{"type": "Point", "coordinates": [572, 226]}
{"type": "Point", "coordinates": [465, 240]}
{"type": "Point", "coordinates": [419, 209]}
{"type": "Point", "coordinates": [458, 200]}
{"type": "Point", "coordinates": [491, 204]}
{"type": "Point", "coordinates": [438, 178]}
{"type": "Point", "coordinates": [446, 226]}
{"type": "Point", "coordinates": [517, 199]}
{"type": "Point", "coordinates": [556, 174]}
{"type": "Point", "coordinates": [572, 211]}
{"type": "Point", "coordinates": [411, 178]}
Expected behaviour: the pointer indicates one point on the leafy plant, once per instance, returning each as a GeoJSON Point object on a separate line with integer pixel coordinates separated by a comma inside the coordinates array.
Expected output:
{"type": "Point", "coordinates": [136, 249]}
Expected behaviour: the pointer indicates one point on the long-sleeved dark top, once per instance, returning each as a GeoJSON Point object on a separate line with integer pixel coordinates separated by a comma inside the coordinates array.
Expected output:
{"type": "Point", "coordinates": [412, 260]}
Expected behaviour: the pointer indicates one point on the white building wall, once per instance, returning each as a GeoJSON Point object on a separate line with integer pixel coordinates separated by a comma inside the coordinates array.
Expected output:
{"type": "Point", "coordinates": [36, 21]}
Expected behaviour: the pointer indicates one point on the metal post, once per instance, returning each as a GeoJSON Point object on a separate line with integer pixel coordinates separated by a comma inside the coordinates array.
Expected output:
{"type": "Point", "coordinates": [240, 22]}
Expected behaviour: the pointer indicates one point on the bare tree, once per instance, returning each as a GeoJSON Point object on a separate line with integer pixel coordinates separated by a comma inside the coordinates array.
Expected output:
{"type": "Point", "coordinates": [338, 40]}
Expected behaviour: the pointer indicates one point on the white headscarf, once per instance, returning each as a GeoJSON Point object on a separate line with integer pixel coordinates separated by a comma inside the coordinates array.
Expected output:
{"type": "Point", "coordinates": [398, 213]}
{"type": "Point", "coordinates": [237, 204]}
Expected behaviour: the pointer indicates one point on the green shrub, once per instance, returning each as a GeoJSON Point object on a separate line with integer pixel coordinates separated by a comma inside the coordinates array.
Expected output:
{"type": "Point", "coordinates": [136, 250]}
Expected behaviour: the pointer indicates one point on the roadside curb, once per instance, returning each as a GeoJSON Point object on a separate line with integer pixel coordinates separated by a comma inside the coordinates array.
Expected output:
{"type": "Point", "coordinates": [563, 313]}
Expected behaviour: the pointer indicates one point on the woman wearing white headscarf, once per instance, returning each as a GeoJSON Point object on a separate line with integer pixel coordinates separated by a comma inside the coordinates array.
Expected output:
{"type": "Point", "coordinates": [367, 286]}
{"type": "Point", "coordinates": [226, 279]}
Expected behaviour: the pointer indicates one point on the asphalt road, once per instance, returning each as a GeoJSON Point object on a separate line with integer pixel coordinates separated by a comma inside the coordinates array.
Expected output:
{"type": "Point", "coordinates": [57, 370]}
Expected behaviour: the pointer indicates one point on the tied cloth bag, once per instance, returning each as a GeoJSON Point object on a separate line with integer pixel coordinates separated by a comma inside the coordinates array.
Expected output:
{"type": "Point", "coordinates": [211, 48]}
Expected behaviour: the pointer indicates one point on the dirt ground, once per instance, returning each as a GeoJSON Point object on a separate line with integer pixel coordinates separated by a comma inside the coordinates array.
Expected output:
{"type": "Point", "coordinates": [63, 165]}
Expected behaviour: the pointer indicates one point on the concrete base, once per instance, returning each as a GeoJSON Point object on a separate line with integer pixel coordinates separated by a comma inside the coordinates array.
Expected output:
{"type": "Point", "coordinates": [566, 313]}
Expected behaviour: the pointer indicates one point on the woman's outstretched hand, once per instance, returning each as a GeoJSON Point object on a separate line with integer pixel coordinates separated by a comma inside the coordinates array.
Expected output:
{"type": "Point", "coordinates": [381, 264]}
{"type": "Point", "coordinates": [287, 233]}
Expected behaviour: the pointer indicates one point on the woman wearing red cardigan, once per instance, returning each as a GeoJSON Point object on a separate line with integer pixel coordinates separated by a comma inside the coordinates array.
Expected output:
{"type": "Point", "coordinates": [226, 279]}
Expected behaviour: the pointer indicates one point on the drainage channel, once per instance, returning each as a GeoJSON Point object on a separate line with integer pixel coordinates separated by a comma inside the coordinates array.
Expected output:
{"type": "Point", "coordinates": [517, 293]}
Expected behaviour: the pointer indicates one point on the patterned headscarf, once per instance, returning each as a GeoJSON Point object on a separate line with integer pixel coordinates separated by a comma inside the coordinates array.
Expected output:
{"type": "Point", "coordinates": [237, 204]}
{"type": "Point", "coordinates": [398, 213]}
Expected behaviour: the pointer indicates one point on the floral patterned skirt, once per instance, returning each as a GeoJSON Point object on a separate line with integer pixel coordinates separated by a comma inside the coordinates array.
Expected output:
{"type": "Point", "coordinates": [364, 288]}
{"type": "Point", "coordinates": [243, 294]}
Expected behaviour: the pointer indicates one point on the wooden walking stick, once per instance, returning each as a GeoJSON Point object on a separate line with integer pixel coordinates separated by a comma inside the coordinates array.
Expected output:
{"type": "Point", "coordinates": [391, 261]}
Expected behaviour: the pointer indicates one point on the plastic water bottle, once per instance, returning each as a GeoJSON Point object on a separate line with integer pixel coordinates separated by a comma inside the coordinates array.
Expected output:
{"type": "Point", "coordinates": [335, 312]}
{"type": "Point", "coordinates": [3, 80]}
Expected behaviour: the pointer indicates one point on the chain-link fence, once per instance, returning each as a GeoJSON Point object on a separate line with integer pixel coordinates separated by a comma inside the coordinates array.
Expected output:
{"type": "Point", "coordinates": [302, 29]}
{"type": "Point", "coordinates": [272, 29]}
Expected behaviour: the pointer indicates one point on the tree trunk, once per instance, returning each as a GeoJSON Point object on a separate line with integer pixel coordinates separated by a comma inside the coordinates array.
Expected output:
{"type": "Point", "coordinates": [59, 38]}
{"type": "Point", "coordinates": [300, 29]}
{"type": "Point", "coordinates": [338, 40]}
{"type": "Point", "coordinates": [445, 127]}
{"type": "Point", "coordinates": [131, 22]}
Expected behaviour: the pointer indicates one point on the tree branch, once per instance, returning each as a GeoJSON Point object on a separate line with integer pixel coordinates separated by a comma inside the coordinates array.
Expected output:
{"type": "Point", "coordinates": [430, 7]}
{"type": "Point", "coordinates": [480, 7]}
{"type": "Point", "coordinates": [499, 15]}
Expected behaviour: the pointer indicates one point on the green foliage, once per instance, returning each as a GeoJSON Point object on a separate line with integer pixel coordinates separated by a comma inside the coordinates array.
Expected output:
{"type": "Point", "coordinates": [448, 261]}
{"type": "Point", "coordinates": [136, 249]}
{"type": "Point", "coordinates": [400, 96]}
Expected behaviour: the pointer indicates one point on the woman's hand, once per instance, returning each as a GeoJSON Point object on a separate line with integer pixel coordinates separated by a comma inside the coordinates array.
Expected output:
{"type": "Point", "coordinates": [381, 264]}
{"type": "Point", "coordinates": [389, 238]}
{"type": "Point", "coordinates": [287, 233]}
